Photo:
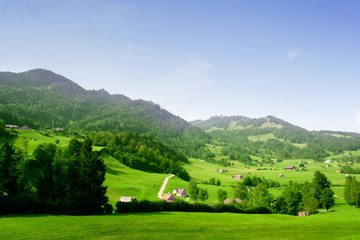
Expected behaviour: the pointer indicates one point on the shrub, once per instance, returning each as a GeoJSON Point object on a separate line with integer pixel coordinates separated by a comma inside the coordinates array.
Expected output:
{"type": "Point", "coordinates": [108, 208]}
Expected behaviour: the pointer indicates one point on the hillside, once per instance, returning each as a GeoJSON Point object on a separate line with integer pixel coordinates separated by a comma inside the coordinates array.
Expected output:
{"type": "Point", "coordinates": [42, 99]}
{"type": "Point", "coordinates": [240, 122]}
{"type": "Point", "coordinates": [268, 138]}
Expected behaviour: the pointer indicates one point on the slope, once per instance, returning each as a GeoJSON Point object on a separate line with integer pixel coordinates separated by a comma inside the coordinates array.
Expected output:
{"type": "Point", "coordinates": [42, 99]}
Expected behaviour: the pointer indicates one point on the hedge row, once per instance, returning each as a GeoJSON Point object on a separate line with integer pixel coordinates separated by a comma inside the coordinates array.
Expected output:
{"type": "Point", "coordinates": [182, 206]}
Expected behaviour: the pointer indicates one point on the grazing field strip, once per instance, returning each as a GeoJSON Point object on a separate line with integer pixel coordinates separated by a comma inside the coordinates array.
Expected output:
{"type": "Point", "coordinates": [333, 225]}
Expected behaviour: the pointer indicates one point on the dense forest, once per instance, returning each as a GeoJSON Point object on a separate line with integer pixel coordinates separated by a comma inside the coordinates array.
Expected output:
{"type": "Point", "coordinates": [143, 152]}
{"type": "Point", "coordinates": [52, 180]}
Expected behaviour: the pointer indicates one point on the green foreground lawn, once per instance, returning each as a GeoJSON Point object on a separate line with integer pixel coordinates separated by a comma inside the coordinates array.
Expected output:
{"type": "Point", "coordinates": [168, 225]}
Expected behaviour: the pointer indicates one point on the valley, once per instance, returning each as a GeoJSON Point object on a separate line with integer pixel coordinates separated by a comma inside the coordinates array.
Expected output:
{"type": "Point", "coordinates": [284, 168]}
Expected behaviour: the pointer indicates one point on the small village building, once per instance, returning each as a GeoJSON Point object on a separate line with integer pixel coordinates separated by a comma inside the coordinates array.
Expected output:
{"type": "Point", "coordinates": [238, 177]}
{"type": "Point", "coordinates": [290, 168]}
{"type": "Point", "coordinates": [303, 213]}
{"type": "Point", "coordinates": [8, 127]}
{"type": "Point", "coordinates": [180, 192]}
{"type": "Point", "coordinates": [59, 129]}
{"type": "Point", "coordinates": [168, 197]}
{"type": "Point", "coordinates": [328, 161]}
{"type": "Point", "coordinates": [24, 128]}
{"type": "Point", "coordinates": [221, 171]}
{"type": "Point", "coordinates": [281, 175]}
{"type": "Point", "coordinates": [339, 171]}
{"type": "Point", "coordinates": [128, 199]}
{"type": "Point", "coordinates": [227, 201]}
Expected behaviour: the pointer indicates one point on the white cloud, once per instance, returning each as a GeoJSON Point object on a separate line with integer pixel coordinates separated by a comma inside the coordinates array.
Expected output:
{"type": "Point", "coordinates": [191, 73]}
{"type": "Point", "coordinates": [358, 117]}
{"type": "Point", "coordinates": [293, 54]}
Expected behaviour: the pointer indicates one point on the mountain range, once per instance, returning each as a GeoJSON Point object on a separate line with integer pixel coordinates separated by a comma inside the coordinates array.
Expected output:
{"type": "Point", "coordinates": [40, 99]}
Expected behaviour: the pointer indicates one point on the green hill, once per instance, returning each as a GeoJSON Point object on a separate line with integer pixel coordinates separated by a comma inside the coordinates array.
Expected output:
{"type": "Point", "coordinates": [240, 122]}
{"type": "Point", "coordinates": [42, 99]}
{"type": "Point", "coordinates": [269, 138]}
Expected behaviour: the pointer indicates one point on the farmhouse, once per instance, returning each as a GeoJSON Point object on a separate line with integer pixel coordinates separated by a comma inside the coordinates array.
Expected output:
{"type": "Point", "coordinates": [128, 199]}
{"type": "Point", "coordinates": [221, 171]}
{"type": "Point", "coordinates": [180, 192]}
{"type": "Point", "coordinates": [281, 175]}
{"type": "Point", "coordinates": [339, 171]}
{"type": "Point", "coordinates": [239, 177]}
{"type": "Point", "coordinates": [168, 197]}
{"type": "Point", "coordinates": [227, 201]}
{"type": "Point", "coordinates": [290, 168]}
{"type": "Point", "coordinates": [303, 213]}
{"type": "Point", "coordinates": [59, 129]}
{"type": "Point", "coordinates": [8, 127]}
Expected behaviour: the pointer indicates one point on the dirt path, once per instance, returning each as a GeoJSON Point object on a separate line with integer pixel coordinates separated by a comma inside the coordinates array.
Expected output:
{"type": "Point", "coordinates": [164, 185]}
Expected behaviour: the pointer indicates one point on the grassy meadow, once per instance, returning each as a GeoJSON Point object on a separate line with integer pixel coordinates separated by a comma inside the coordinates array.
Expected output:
{"type": "Point", "coordinates": [124, 181]}
{"type": "Point", "coordinates": [342, 224]}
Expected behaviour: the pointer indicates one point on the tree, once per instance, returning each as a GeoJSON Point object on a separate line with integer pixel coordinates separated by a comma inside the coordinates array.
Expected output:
{"type": "Point", "coordinates": [212, 181]}
{"type": "Point", "coordinates": [222, 195]}
{"type": "Point", "coordinates": [327, 199]}
{"type": "Point", "coordinates": [44, 156]}
{"type": "Point", "coordinates": [247, 181]}
{"type": "Point", "coordinates": [351, 191]}
{"type": "Point", "coordinates": [193, 190]}
{"type": "Point", "coordinates": [203, 194]}
{"type": "Point", "coordinates": [320, 182]}
{"type": "Point", "coordinates": [2, 128]}
{"type": "Point", "coordinates": [310, 204]}
{"type": "Point", "coordinates": [292, 198]}
{"type": "Point", "coordinates": [241, 191]}
{"type": "Point", "coordinates": [260, 197]}
{"type": "Point", "coordinates": [85, 177]}
{"type": "Point", "coordinates": [10, 168]}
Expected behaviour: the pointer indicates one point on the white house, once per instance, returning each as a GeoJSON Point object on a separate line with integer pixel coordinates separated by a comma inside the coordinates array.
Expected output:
{"type": "Point", "coordinates": [180, 192]}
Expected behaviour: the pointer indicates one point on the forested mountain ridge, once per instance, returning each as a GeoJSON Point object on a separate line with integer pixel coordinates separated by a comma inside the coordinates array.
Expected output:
{"type": "Point", "coordinates": [240, 122]}
{"type": "Point", "coordinates": [42, 99]}
{"type": "Point", "coordinates": [270, 137]}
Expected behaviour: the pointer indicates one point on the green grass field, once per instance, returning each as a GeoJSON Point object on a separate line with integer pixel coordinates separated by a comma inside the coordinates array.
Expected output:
{"type": "Point", "coordinates": [124, 181]}
{"type": "Point", "coordinates": [341, 223]}
{"type": "Point", "coordinates": [180, 225]}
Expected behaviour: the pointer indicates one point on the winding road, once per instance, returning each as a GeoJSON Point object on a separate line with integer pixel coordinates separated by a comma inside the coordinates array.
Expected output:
{"type": "Point", "coordinates": [164, 185]}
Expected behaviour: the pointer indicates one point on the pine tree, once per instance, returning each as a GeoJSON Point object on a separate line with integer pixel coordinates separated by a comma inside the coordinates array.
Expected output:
{"type": "Point", "coordinates": [10, 169]}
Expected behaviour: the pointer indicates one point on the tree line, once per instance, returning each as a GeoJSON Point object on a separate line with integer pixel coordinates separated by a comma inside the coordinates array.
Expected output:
{"type": "Point", "coordinates": [53, 180]}
{"type": "Point", "coordinates": [143, 152]}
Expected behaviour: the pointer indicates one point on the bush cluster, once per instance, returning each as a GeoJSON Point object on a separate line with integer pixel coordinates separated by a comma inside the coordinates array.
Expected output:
{"type": "Point", "coordinates": [182, 206]}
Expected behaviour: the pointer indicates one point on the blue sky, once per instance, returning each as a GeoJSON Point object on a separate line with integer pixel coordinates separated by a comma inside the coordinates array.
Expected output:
{"type": "Point", "coordinates": [296, 60]}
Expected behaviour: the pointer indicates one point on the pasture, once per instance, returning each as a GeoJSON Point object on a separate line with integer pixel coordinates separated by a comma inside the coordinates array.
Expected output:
{"type": "Point", "coordinates": [342, 224]}
{"type": "Point", "coordinates": [124, 181]}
